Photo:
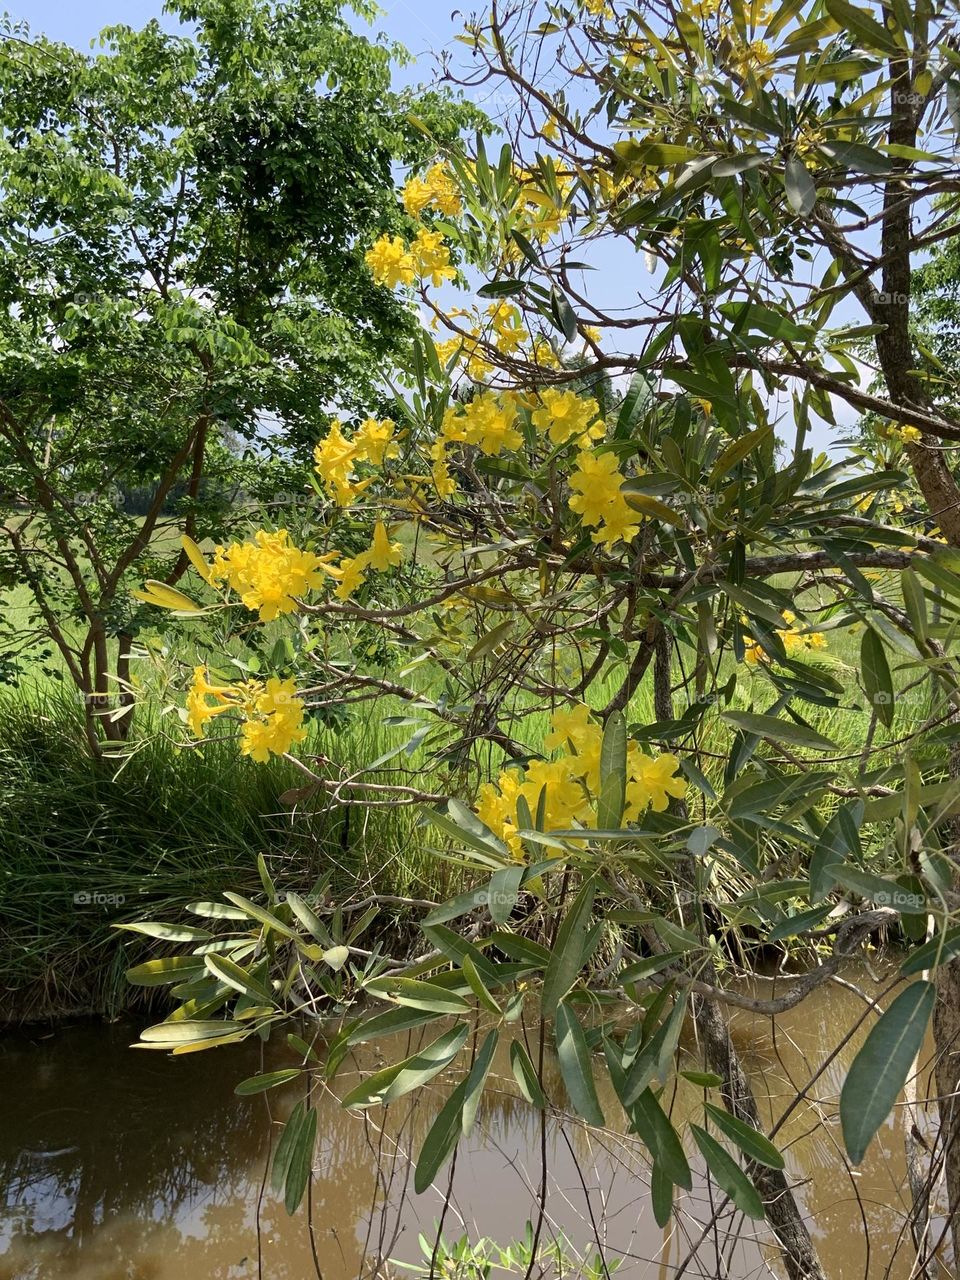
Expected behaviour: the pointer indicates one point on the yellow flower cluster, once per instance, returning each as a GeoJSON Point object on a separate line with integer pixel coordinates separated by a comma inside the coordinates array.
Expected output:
{"type": "Point", "coordinates": [564, 414]}
{"type": "Point", "coordinates": [488, 421]}
{"type": "Point", "coordinates": [391, 262]}
{"type": "Point", "coordinates": [267, 573]}
{"type": "Point", "coordinates": [335, 456]}
{"type": "Point", "coordinates": [755, 57]}
{"type": "Point", "coordinates": [272, 712]}
{"type": "Point", "coordinates": [432, 257]}
{"type": "Point", "coordinates": [596, 486]}
{"type": "Point", "coordinates": [435, 190]}
{"type": "Point", "coordinates": [796, 640]}
{"type": "Point", "coordinates": [568, 786]}
{"type": "Point", "coordinates": [351, 572]}
{"type": "Point", "coordinates": [508, 332]}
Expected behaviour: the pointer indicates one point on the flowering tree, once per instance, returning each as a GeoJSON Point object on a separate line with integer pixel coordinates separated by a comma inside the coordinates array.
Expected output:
{"type": "Point", "coordinates": [182, 226]}
{"type": "Point", "coordinates": [670, 581]}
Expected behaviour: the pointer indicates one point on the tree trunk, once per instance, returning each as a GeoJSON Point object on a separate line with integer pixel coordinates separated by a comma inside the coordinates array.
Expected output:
{"type": "Point", "coordinates": [783, 1212]}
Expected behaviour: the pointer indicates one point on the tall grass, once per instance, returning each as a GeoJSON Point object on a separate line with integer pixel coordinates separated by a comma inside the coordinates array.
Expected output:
{"type": "Point", "coordinates": [86, 845]}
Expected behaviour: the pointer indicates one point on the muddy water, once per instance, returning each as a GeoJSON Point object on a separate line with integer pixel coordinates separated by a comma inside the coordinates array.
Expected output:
{"type": "Point", "coordinates": [123, 1165]}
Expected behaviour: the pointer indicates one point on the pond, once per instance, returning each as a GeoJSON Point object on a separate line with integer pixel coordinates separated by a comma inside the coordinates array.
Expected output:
{"type": "Point", "coordinates": [118, 1164]}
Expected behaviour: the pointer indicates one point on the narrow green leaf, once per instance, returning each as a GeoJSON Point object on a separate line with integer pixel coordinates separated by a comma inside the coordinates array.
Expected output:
{"type": "Point", "coordinates": [752, 1143]}
{"type": "Point", "coordinates": [393, 1082]}
{"type": "Point", "coordinates": [526, 1076]}
{"type": "Point", "coordinates": [728, 1175]}
{"type": "Point", "coordinates": [613, 772]}
{"type": "Point", "coordinates": [575, 1066]}
{"type": "Point", "coordinates": [440, 1141]}
{"type": "Point", "coordinates": [879, 1071]}
{"type": "Point", "coordinates": [301, 1161]}
{"type": "Point", "coordinates": [477, 1079]}
{"type": "Point", "coordinates": [259, 1084]}
{"type": "Point", "coordinates": [660, 1138]}
{"type": "Point", "coordinates": [568, 954]}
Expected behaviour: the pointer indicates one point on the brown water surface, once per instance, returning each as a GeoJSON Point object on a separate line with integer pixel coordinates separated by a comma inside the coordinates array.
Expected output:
{"type": "Point", "coordinates": [123, 1165]}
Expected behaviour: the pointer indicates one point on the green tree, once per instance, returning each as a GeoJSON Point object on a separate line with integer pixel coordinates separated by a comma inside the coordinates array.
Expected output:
{"type": "Point", "coordinates": [182, 218]}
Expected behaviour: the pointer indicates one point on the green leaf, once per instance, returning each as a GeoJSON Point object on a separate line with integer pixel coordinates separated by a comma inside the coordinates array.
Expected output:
{"type": "Point", "coordinates": [233, 975]}
{"type": "Point", "coordinates": [661, 1194]}
{"type": "Point", "coordinates": [301, 1161]}
{"type": "Point", "coordinates": [799, 186]}
{"type": "Point", "coordinates": [938, 950]}
{"type": "Point", "coordinates": [613, 772]}
{"type": "Point", "coordinates": [260, 914]}
{"type": "Point", "coordinates": [885, 893]}
{"type": "Point", "coordinates": [660, 1139]}
{"type": "Point", "coordinates": [477, 1079]}
{"type": "Point", "coordinates": [167, 932]}
{"type": "Point", "coordinates": [478, 987]}
{"type": "Point", "coordinates": [393, 1082]}
{"type": "Point", "coordinates": [728, 1175]}
{"type": "Point", "coordinates": [879, 1071]}
{"type": "Point", "coordinates": [419, 995]}
{"type": "Point", "coordinates": [569, 951]}
{"type": "Point", "coordinates": [737, 451]}
{"type": "Point", "coordinates": [188, 1030]}
{"type": "Point", "coordinates": [877, 679]}
{"type": "Point", "coordinates": [526, 1076]}
{"type": "Point", "coordinates": [285, 1147]}
{"type": "Point", "coordinates": [780, 730]}
{"type": "Point", "coordinates": [488, 642]}
{"type": "Point", "coordinates": [259, 1084]}
{"type": "Point", "coordinates": [154, 973]}
{"type": "Point", "coordinates": [838, 840]}
{"type": "Point", "coordinates": [386, 1024]}
{"type": "Point", "coordinates": [858, 22]}
{"type": "Point", "coordinates": [309, 919]}
{"type": "Point", "coordinates": [752, 1143]}
{"type": "Point", "coordinates": [441, 1140]}
{"type": "Point", "coordinates": [502, 893]}
{"type": "Point", "coordinates": [575, 1066]}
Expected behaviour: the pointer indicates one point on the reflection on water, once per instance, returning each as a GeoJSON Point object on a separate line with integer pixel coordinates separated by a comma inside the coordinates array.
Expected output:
{"type": "Point", "coordinates": [123, 1165]}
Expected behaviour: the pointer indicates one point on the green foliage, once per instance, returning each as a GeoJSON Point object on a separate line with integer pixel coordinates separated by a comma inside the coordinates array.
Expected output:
{"type": "Point", "coordinates": [182, 293]}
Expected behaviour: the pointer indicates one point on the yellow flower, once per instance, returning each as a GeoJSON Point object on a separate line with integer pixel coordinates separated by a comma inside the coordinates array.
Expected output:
{"type": "Point", "coordinates": [443, 481]}
{"type": "Point", "coordinates": [596, 483]}
{"type": "Point", "coordinates": [334, 457]}
{"type": "Point", "coordinates": [490, 424]}
{"type": "Point", "coordinates": [755, 56]}
{"type": "Point", "coordinates": [910, 435]}
{"type": "Point", "coordinates": [374, 442]}
{"type": "Point", "coordinates": [510, 334]}
{"type": "Point", "coordinates": [654, 780]}
{"type": "Point", "coordinates": [391, 262]}
{"type": "Point", "coordinates": [620, 523]}
{"type": "Point", "coordinates": [432, 257]}
{"type": "Point", "coordinates": [274, 721]}
{"type": "Point", "coordinates": [383, 554]}
{"type": "Point", "coordinates": [564, 414]}
{"type": "Point", "coordinates": [268, 572]}
{"type": "Point", "coordinates": [416, 196]}
{"type": "Point", "coordinates": [199, 711]}
{"type": "Point", "coordinates": [794, 638]}
{"type": "Point", "coordinates": [350, 575]}
{"type": "Point", "coordinates": [569, 726]}
{"type": "Point", "coordinates": [436, 188]}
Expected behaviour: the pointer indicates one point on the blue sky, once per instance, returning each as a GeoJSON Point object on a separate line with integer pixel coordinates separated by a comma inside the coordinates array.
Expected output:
{"type": "Point", "coordinates": [422, 25]}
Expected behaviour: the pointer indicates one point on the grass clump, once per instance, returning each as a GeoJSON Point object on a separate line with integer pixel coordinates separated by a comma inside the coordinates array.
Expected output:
{"type": "Point", "coordinates": [85, 845]}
